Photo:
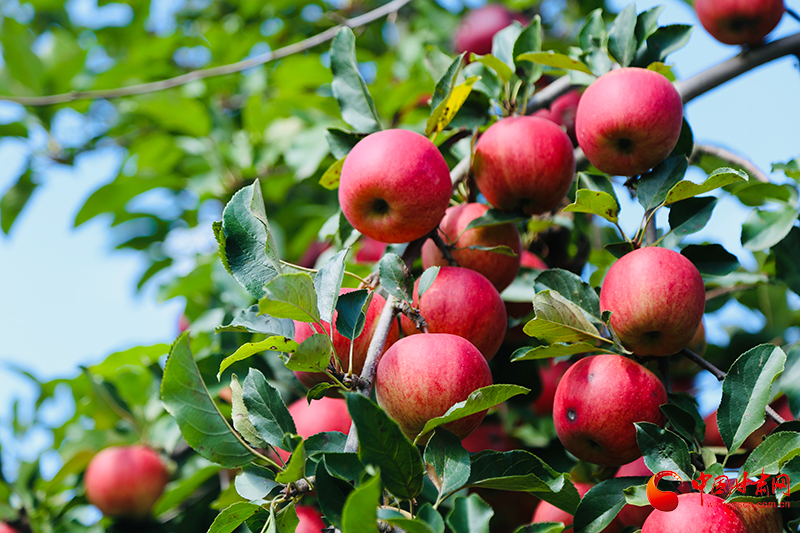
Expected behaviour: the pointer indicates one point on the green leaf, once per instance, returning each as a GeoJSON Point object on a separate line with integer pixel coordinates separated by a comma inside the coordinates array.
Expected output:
{"type": "Point", "coordinates": [15, 198]}
{"type": "Point", "coordinates": [266, 409]}
{"type": "Point", "coordinates": [352, 314]}
{"type": "Point", "coordinates": [290, 296]}
{"type": "Point", "coordinates": [312, 355]}
{"type": "Point", "coordinates": [764, 229]}
{"type": "Point", "coordinates": [790, 168]}
{"type": "Point", "coordinates": [275, 344]}
{"type": "Point", "coordinates": [746, 391]}
{"type": "Point", "coordinates": [360, 514]}
{"type": "Point", "coordinates": [530, 40]}
{"type": "Point", "coordinates": [345, 466]}
{"type": "Point", "coordinates": [711, 259]}
{"type": "Point", "coordinates": [503, 43]}
{"type": "Point", "coordinates": [247, 248]}
{"type": "Point", "coordinates": [596, 182]}
{"type": "Point", "coordinates": [556, 60]}
{"type": "Point", "coordinates": [255, 482]}
{"type": "Point", "coordinates": [241, 418]}
{"type": "Point", "coordinates": [383, 444]}
{"type": "Point", "coordinates": [248, 320]}
{"type": "Point", "coordinates": [13, 129]}
{"type": "Point", "coordinates": [719, 178]}
{"type": "Point", "coordinates": [431, 517]}
{"type": "Point", "coordinates": [186, 398]}
{"type": "Point", "coordinates": [470, 514]}
{"type": "Point", "coordinates": [663, 450]}
{"type": "Point", "coordinates": [662, 42]}
{"type": "Point", "coordinates": [756, 193]}
{"type": "Point", "coordinates": [327, 283]}
{"type": "Point", "coordinates": [393, 277]}
{"type": "Point", "coordinates": [342, 141]}
{"type": "Point", "coordinates": [426, 280]}
{"type": "Point", "coordinates": [326, 442]}
{"type": "Point", "coordinates": [681, 421]}
{"type": "Point", "coordinates": [655, 186]}
{"type": "Point", "coordinates": [772, 454]}
{"type": "Point", "coordinates": [787, 260]}
{"type": "Point", "coordinates": [232, 517]}
{"type": "Point", "coordinates": [444, 87]}
{"type": "Point", "coordinates": [622, 36]}
{"type": "Point", "coordinates": [557, 349]}
{"type": "Point", "coordinates": [690, 215]}
{"type": "Point", "coordinates": [688, 405]}
{"type": "Point", "coordinates": [502, 70]}
{"type": "Point", "coordinates": [685, 145]}
{"type": "Point", "coordinates": [349, 89]}
{"type": "Point", "coordinates": [394, 518]}
{"type": "Point", "coordinates": [542, 527]}
{"type": "Point", "coordinates": [295, 468]}
{"type": "Point", "coordinates": [493, 217]}
{"type": "Point", "coordinates": [176, 114]}
{"type": "Point", "coordinates": [792, 470]}
{"type": "Point", "coordinates": [600, 505]}
{"type": "Point", "coordinates": [445, 112]}
{"type": "Point", "coordinates": [449, 460]}
{"type": "Point", "coordinates": [647, 23]}
{"type": "Point", "coordinates": [319, 391]}
{"type": "Point", "coordinates": [479, 400]}
{"type": "Point", "coordinates": [559, 320]}
{"type": "Point", "coordinates": [330, 178]}
{"type": "Point", "coordinates": [597, 202]}
{"type": "Point", "coordinates": [499, 249]}
{"type": "Point", "coordinates": [332, 493]}
{"type": "Point", "coordinates": [20, 61]}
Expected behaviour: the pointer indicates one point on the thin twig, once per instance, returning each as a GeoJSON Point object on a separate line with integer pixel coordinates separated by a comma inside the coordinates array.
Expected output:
{"type": "Point", "coordinates": [222, 70]}
{"type": "Point", "coordinates": [736, 160]}
{"type": "Point", "coordinates": [721, 291]}
{"type": "Point", "coordinates": [414, 316]}
{"type": "Point", "coordinates": [447, 252]}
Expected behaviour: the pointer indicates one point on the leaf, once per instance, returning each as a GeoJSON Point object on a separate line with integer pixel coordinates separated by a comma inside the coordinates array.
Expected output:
{"type": "Point", "coordinates": [764, 229]}
{"type": "Point", "coordinates": [663, 450]}
{"type": "Point", "coordinates": [383, 444]}
{"type": "Point", "coordinates": [326, 442]}
{"type": "Point", "coordinates": [681, 421]}
{"type": "Point", "coordinates": [503, 43]}
{"type": "Point", "coordinates": [349, 89]}
{"type": "Point", "coordinates": [255, 482]}
{"type": "Point", "coordinates": [352, 314]}
{"type": "Point", "coordinates": [332, 493]}
{"type": "Point", "coordinates": [20, 61]}
{"type": "Point", "coordinates": [600, 505]}
{"type": "Point", "coordinates": [479, 400]}
{"type": "Point", "coordinates": [360, 514]}
{"type": "Point", "coordinates": [296, 466]}
{"type": "Point", "coordinates": [341, 142]}
{"type": "Point", "coordinates": [330, 178]}
{"type": "Point", "coordinates": [746, 391]}
{"type": "Point", "coordinates": [559, 320]}
{"type": "Point", "coordinates": [248, 320]}
{"type": "Point", "coordinates": [275, 344]}
{"type": "Point", "coordinates": [493, 217]}
{"type": "Point", "coordinates": [447, 110]}
{"type": "Point", "coordinates": [503, 71]}
{"type": "Point", "coordinates": [571, 287]}
{"type": "Point", "coordinates": [787, 260]}
{"type": "Point", "coordinates": [662, 42]}
{"type": "Point", "coordinates": [542, 527]}
{"type": "Point", "coordinates": [593, 31]}
{"type": "Point", "coordinates": [690, 215]}
{"type": "Point", "coordinates": [756, 193]}
{"type": "Point", "coordinates": [445, 84]}
{"type": "Point", "coordinates": [711, 259]}
{"type": "Point", "coordinates": [449, 460]}
{"type": "Point", "coordinates": [393, 277]}
{"type": "Point", "coordinates": [246, 245]}
{"type": "Point", "coordinates": [499, 249]}
{"type": "Point", "coordinates": [15, 199]}
{"type": "Point", "coordinates": [426, 280]}
{"type": "Point", "coordinates": [470, 514]}
{"type": "Point", "coordinates": [232, 517]}
{"type": "Point", "coordinates": [772, 454]}
{"type": "Point", "coordinates": [647, 23]}
{"type": "Point", "coordinates": [409, 525]}
{"type": "Point", "coordinates": [290, 296]}
{"type": "Point", "coordinates": [268, 413]}
{"type": "Point", "coordinates": [13, 129]}
{"type": "Point", "coordinates": [241, 418]}
{"type": "Point", "coordinates": [327, 283]}
{"type": "Point", "coordinates": [530, 40]}
{"type": "Point", "coordinates": [719, 178]}
{"type": "Point", "coordinates": [431, 517]}
{"type": "Point", "coordinates": [790, 168]}
{"type": "Point", "coordinates": [622, 36]}
{"type": "Point", "coordinates": [557, 349]}
{"type": "Point", "coordinates": [312, 355]}
{"type": "Point", "coordinates": [556, 60]}
{"type": "Point", "coordinates": [597, 202]}
{"type": "Point", "coordinates": [186, 398]}
{"type": "Point", "coordinates": [654, 187]}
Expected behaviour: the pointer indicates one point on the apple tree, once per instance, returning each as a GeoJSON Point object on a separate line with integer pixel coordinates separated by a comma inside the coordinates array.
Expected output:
{"type": "Point", "coordinates": [411, 304]}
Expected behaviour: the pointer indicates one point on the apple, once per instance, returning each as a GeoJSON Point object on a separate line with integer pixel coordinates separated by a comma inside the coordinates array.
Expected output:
{"type": "Point", "coordinates": [524, 163]}
{"type": "Point", "coordinates": [598, 400]}
{"type": "Point", "coordinates": [325, 414]}
{"type": "Point", "coordinates": [760, 519]}
{"type": "Point", "coordinates": [464, 303]}
{"type": "Point", "coordinates": [712, 516]}
{"type": "Point", "coordinates": [562, 111]}
{"type": "Point", "coordinates": [395, 186]}
{"type": "Point", "coordinates": [476, 30]}
{"type": "Point", "coordinates": [125, 480]}
{"type": "Point", "coordinates": [634, 515]}
{"type": "Point", "coordinates": [549, 375]}
{"type": "Point", "coordinates": [739, 21]}
{"type": "Point", "coordinates": [629, 120]}
{"type": "Point", "coordinates": [657, 299]}
{"type": "Point", "coordinates": [698, 344]}
{"type": "Point", "coordinates": [498, 268]}
{"type": "Point", "coordinates": [371, 251]}
{"type": "Point", "coordinates": [5, 528]}
{"type": "Point", "coordinates": [547, 512]}
{"type": "Point", "coordinates": [532, 261]}
{"type": "Point", "coordinates": [420, 377]}
{"type": "Point", "coordinates": [489, 436]}
{"type": "Point", "coordinates": [303, 330]}
{"type": "Point", "coordinates": [310, 520]}
{"type": "Point", "coordinates": [183, 323]}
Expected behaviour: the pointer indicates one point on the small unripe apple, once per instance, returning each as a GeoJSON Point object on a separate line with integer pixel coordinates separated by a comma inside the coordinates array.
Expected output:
{"type": "Point", "coordinates": [498, 268]}
{"type": "Point", "coordinates": [549, 375]}
{"type": "Point", "coordinates": [657, 299]}
{"type": "Point", "coordinates": [422, 376]}
{"type": "Point", "coordinates": [629, 120]}
{"type": "Point", "coordinates": [310, 520]}
{"type": "Point", "coordinates": [634, 515]}
{"type": "Point", "coordinates": [547, 512]}
{"type": "Point", "coordinates": [325, 414]}
{"type": "Point", "coordinates": [395, 186]}
{"type": "Point", "coordinates": [524, 163]}
{"type": "Point", "coordinates": [476, 30]}
{"type": "Point", "coordinates": [125, 480]}
{"type": "Point", "coordinates": [739, 21]}
{"type": "Point", "coordinates": [598, 400]}
{"type": "Point", "coordinates": [712, 516]}
{"type": "Point", "coordinates": [464, 303]}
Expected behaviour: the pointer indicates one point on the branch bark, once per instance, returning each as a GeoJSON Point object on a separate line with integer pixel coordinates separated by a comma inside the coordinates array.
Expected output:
{"type": "Point", "coordinates": [734, 159]}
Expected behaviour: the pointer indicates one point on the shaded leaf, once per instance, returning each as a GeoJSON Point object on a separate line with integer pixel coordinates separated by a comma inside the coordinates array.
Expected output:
{"type": "Point", "coordinates": [349, 89]}
{"type": "Point", "coordinates": [690, 215]}
{"type": "Point", "coordinates": [352, 314]}
{"type": "Point", "coordinates": [449, 460]}
{"type": "Point", "coordinates": [327, 283]}
{"type": "Point", "coordinates": [557, 349]}
{"type": "Point", "coordinates": [241, 418]}
{"type": "Point", "coordinates": [530, 40]}
{"type": "Point", "coordinates": [426, 280]}
{"type": "Point", "coordinates": [764, 229]}
{"type": "Point", "coordinates": [622, 36]}
{"type": "Point", "coordinates": [556, 60]}
{"type": "Point", "coordinates": [654, 187]}
{"type": "Point", "coordinates": [266, 409]}
{"type": "Point", "coordinates": [290, 296]}
{"type": "Point", "coordinates": [470, 514]}
{"type": "Point", "coordinates": [393, 277]}
{"type": "Point", "coordinates": [15, 199]}
{"type": "Point", "coordinates": [600, 505]}
{"type": "Point", "coordinates": [711, 259]}
{"type": "Point", "coordinates": [663, 450]}
{"type": "Point", "coordinates": [559, 320]}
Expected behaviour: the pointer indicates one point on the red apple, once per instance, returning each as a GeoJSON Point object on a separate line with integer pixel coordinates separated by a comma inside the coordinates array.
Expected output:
{"type": "Point", "coordinates": [634, 515]}
{"type": "Point", "coordinates": [563, 111]}
{"type": "Point", "coordinates": [739, 21]}
{"type": "Point", "coordinates": [125, 480]}
{"type": "Point", "coordinates": [498, 268]}
{"type": "Point", "coordinates": [532, 261]}
{"type": "Point", "coordinates": [371, 251]}
{"type": "Point", "coordinates": [489, 436]}
{"type": "Point", "coordinates": [395, 186]}
{"type": "Point", "coordinates": [657, 299]}
{"type": "Point", "coordinates": [549, 375]}
{"type": "Point", "coordinates": [325, 414]}
{"type": "Point", "coordinates": [629, 120]}
{"type": "Point", "coordinates": [712, 516]}
{"type": "Point", "coordinates": [183, 323]}
{"type": "Point", "coordinates": [310, 520]}
{"type": "Point", "coordinates": [598, 400]}
{"type": "Point", "coordinates": [420, 377]}
{"type": "Point", "coordinates": [760, 519]}
{"type": "Point", "coordinates": [547, 512]}
{"type": "Point", "coordinates": [5, 528]}
{"type": "Point", "coordinates": [524, 163]}
{"type": "Point", "coordinates": [476, 30]}
{"type": "Point", "coordinates": [303, 330]}
{"type": "Point", "coordinates": [464, 303]}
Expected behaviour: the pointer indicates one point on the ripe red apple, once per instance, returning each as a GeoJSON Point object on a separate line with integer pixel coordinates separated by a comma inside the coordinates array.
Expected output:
{"type": "Point", "coordinates": [464, 303]}
{"type": "Point", "coordinates": [524, 163]}
{"type": "Point", "coordinates": [634, 515]}
{"type": "Point", "coordinates": [598, 400]}
{"type": "Point", "coordinates": [498, 268]}
{"type": "Point", "coordinates": [5, 528]}
{"type": "Point", "coordinates": [759, 519]}
{"type": "Point", "coordinates": [420, 377]}
{"type": "Point", "coordinates": [629, 120]}
{"type": "Point", "coordinates": [371, 251]}
{"type": "Point", "coordinates": [303, 330]}
{"type": "Point", "coordinates": [489, 436]}
{"type": "Point", "coordinates": [739, 21]}
{"type": "Point", "coordinates": [549, 375]}
{"type": "Point", "coordinates": [325, 414]}
{"type": "Point", "coordinates": [395, 186]}
{"type": "Point", "coordinates": [713, 516]}
{"type": "Point", "coordinates": [657, 298]}
{"type": "Point", "coordinates": [310, 520]}
{"type": "Point", "coordinates": [476, 30]}
{"type": "Point", "coordinates": [532, 261]}
{"type": "Point", "coordinates": [562, 112]}
{"type": "Point", "coordinates": [125, 480]}
{"type": "Point", "coordinates": [547, 512]}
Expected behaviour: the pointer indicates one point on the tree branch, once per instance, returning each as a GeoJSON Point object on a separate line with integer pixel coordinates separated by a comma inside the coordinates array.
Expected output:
{"type": "Point", "coordinates": [444, 248]}
{"type": "Point", "coordinates": [704, 149]}
{"type": "Point", "coordinates": [221, 70]}
{"type": "Point", "coordinates": [547, 96]}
